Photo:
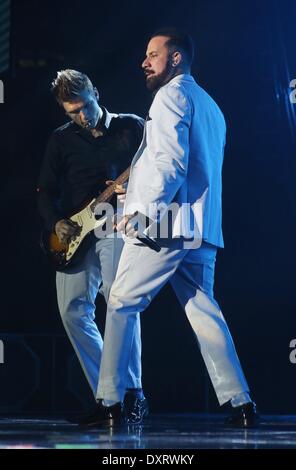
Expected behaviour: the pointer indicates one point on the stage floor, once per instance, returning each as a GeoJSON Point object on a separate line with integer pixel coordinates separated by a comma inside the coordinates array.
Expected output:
{"type": "Point", "coordinates": [186, 431]}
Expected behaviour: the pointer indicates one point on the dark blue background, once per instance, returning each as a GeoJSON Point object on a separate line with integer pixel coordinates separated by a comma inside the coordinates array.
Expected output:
{"type": "Point", "coordinates": [245, 58]}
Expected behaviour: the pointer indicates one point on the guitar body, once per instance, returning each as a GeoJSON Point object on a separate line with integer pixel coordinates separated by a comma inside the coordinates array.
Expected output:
{"type": "Point", "coordinates": [61, 255]}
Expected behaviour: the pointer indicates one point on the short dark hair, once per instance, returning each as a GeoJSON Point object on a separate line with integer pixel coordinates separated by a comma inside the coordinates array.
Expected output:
{"type": "Point", "coordinates": [69, 84]}
{"type": "Point", "coordinates": [178, 39]}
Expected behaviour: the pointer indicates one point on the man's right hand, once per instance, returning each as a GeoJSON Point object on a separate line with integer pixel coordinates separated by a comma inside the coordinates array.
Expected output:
{"type": "Point", "coordinates": [64, 229]}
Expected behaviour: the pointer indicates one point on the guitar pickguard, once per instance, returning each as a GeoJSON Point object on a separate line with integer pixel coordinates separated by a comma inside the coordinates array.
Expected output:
{"type": "Point", "coordinates": [87, 222]}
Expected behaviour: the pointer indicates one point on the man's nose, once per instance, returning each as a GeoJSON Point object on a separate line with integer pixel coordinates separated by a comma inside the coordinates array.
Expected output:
{"type": "Point", "coordinates": [145, 63]}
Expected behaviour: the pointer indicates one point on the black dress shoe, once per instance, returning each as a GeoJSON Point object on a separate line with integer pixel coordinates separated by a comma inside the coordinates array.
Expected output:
{"type": "Point", "coordinates": [109, 415]}
{"type": "Point", "coordinates": [244, 416]}
{"type": "Point", "coordinates": [135, 408]}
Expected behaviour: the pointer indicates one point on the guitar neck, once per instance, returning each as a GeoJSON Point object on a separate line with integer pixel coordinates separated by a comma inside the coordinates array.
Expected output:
{"type": "Point", "coordinates": [106, 195]}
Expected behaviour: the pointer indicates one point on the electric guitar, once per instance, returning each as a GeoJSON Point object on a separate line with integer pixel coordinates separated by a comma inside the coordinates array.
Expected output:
{"type": "Point", "coordinates": [62, 254]}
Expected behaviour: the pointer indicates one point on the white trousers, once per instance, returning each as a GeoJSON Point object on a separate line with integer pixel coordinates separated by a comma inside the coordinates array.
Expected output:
{"type": "Point", "coordinates": [77, 289]}
{"type": "Point", "coordinates": [141, 274]}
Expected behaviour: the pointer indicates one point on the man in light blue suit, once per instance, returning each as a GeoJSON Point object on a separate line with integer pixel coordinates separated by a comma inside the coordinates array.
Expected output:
{"type": "Point", "coordinates": [179, 162]}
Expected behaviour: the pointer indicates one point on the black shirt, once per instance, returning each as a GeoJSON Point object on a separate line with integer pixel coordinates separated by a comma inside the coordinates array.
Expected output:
{"type": "Point", "coordinates": [76, 164]}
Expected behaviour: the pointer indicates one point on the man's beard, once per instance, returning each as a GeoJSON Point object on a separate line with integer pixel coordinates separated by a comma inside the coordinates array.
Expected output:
{"type": "Point", "coordinates": [155, 82]}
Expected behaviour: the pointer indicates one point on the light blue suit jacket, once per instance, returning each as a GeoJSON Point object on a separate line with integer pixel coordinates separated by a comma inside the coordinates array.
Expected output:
{"type": "Point", "coordinates": [180, 158]}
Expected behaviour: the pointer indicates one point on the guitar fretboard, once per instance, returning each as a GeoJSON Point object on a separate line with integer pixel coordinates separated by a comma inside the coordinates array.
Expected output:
{"type": "Point", "coordinates": [106, 195]}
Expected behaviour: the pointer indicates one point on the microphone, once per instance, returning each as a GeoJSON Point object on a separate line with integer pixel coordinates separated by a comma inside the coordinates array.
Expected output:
{"type": "Point", "coordinates": [149, 242]}
{"type": "Point", "coordinates": [152, 244]}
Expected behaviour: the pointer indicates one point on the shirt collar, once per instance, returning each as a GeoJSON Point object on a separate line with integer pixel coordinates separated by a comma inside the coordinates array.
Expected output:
{"type": "Point", "coordinates": [105, 120]}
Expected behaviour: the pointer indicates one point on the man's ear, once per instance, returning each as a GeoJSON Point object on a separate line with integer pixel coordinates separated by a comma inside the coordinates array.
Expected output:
{"type": "Point", "coordinates": [96, 93]}
{"type": "Point", "coordinates": [176, 58]}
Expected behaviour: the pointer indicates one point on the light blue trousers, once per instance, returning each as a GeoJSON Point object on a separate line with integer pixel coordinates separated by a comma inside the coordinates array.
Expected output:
{"type": "Point", "coordinates": [77, 289]}
{"type": "Point", "coordinates": [141, 274]}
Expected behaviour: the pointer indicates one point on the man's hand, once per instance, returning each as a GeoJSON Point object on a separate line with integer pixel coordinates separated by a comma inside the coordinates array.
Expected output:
{"type": "Point", "coordinates": [122, 224]}
{"type": "Point", "coordinates": [64, 230]}
{"type": "Point", "coordinates": [120, 190]}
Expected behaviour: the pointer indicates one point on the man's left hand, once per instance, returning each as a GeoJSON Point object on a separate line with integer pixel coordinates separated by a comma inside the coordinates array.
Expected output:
{"type": "Point", "coordinates": [120, 190]}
